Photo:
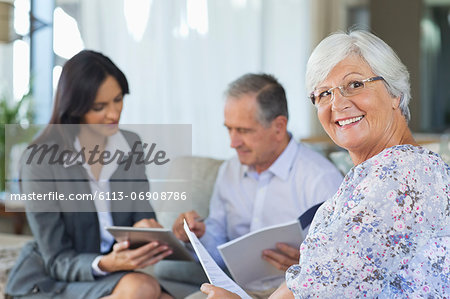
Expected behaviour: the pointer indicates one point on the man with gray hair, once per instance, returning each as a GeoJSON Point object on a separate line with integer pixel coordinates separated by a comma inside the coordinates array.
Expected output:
{"type": "Point", "coordinates": [272, 180]}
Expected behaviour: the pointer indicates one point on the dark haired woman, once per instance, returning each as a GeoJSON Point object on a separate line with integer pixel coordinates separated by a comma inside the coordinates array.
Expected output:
{"type": "Point", "coordinates": [73, 256]}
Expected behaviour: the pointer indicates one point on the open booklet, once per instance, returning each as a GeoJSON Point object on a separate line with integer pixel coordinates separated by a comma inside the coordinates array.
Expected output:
{"type": "Point", "coordinates": [215, 275]}
{"type": "Point", "coordinates": [243, 256]}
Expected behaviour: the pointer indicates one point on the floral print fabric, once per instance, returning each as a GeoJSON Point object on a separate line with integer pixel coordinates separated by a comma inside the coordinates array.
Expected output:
{"type": "Point", "coordinates": [385, 233]}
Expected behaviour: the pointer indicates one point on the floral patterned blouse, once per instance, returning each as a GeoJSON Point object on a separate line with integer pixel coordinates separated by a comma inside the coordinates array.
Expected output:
{"type": "Point", "coordinates": [385, 233]}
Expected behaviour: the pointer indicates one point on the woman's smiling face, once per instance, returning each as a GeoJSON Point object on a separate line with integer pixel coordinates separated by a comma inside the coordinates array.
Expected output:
{"type": "Point", "coordinates": [360, 123]}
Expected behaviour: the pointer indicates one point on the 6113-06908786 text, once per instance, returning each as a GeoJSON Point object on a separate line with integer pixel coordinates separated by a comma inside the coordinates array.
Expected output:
{"type": "Point", "coordinates": [56, 196]}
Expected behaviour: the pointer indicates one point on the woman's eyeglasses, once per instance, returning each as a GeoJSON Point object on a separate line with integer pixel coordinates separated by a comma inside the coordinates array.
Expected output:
{"type": "Point", "coordinates": [322, 97]}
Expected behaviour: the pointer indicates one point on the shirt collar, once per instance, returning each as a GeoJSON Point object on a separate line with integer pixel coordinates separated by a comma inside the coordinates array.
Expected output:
{"type": "Point", "coordinates": [114, 143]}
{"type": "Point", "coordinates": [282, 165]}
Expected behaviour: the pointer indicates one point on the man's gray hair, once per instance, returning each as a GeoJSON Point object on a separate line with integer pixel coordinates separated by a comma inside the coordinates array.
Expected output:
{"type": "Point", "coordinates": [270, 95]}
{"type": "Point", "coordinates": [379, 56]}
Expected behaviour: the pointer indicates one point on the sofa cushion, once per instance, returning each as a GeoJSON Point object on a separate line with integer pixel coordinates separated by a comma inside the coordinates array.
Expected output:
{"type": "Point", "coordinates": [342, 161]}
{"type": "Point", "coordinates": [202, 173]}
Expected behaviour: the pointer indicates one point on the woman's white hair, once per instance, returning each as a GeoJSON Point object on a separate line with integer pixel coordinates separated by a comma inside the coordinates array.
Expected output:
{"type": "Point", "coordinates": [379, 56]}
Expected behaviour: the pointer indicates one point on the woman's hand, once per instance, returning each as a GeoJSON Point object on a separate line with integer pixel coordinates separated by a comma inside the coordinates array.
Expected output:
{"type": "Point", "coordinates": [217, 292]}
{"type": "Point", "coordinates": [145, 223]}
{"type": "Point", "coordinates": [123, 258]}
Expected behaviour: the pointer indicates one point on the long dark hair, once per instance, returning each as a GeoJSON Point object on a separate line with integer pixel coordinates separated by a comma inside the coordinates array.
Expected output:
{"type": "Point", "coordinates": [80, 80]}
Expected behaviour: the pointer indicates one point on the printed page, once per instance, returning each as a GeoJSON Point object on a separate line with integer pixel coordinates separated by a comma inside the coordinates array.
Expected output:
{"type": "Point", "coordinates": [243, 255]}
{"type": "Point", "coordinates": [215, 275]}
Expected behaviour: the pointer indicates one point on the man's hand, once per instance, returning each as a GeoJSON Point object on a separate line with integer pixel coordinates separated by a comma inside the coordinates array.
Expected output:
{"type": "Point", "coordinates": [194, 222]}
{"type": "Point", "coordinates": [123, 258]}
{"type": "Point", "coordinates": [150, 222]}
{"type": "Point", "coordinates": [282, 260]}
{"type": "Point", "coordinates": [282, 292]}
{"type": "Point", "coordinates": [217, 292]}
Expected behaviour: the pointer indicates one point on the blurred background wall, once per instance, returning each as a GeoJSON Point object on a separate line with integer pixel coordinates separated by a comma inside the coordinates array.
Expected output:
{"type": "Point", "coordinates": [179, 55]}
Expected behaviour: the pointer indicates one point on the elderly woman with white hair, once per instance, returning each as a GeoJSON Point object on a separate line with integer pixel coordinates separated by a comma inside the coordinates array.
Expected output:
{"type": "Point", "coordinates": [386, 232]}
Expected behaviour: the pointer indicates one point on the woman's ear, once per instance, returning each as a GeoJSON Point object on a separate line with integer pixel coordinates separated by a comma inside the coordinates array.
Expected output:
{"type": "Point", "coordinates": [396, 102]}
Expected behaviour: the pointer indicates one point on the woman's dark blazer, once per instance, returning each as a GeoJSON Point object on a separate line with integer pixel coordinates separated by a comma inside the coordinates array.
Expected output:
{"type": "Point", "coordinates": [58, 262]}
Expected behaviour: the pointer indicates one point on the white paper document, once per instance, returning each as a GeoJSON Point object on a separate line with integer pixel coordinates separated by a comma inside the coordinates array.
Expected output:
{"type": "Point", "coordinates": [215, 275]}
{"type": "Point", "coordinates": [243, 256]}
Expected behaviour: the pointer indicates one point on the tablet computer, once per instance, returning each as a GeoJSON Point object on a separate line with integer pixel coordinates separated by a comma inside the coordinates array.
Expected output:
{"type": "Point", "coordinates": [138, 236]}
